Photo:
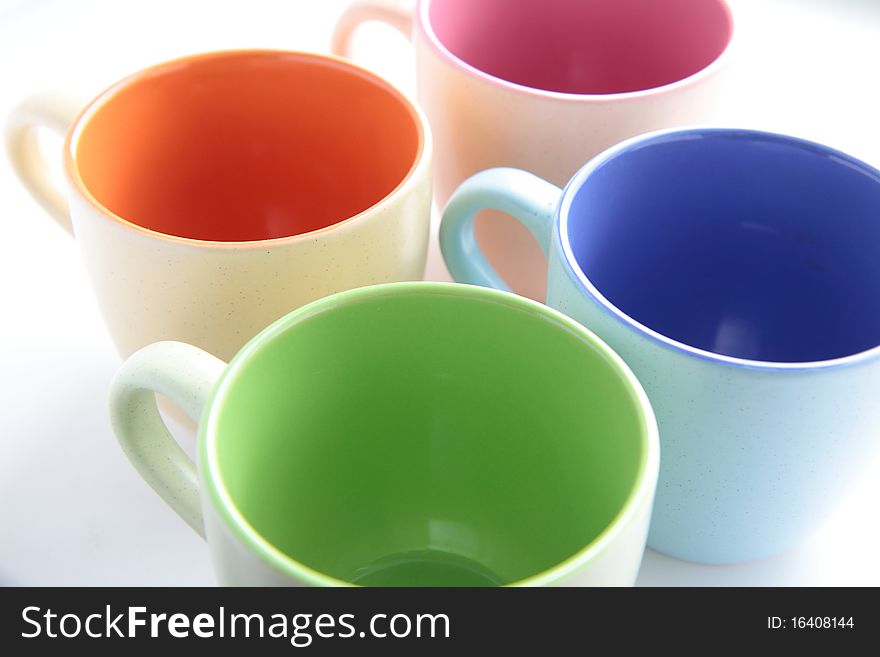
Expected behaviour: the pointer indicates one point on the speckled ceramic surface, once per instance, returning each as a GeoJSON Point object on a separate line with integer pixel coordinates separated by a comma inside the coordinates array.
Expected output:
{"type": "Point", "coordinates": [388, 436]}
{"type": "Point", "coordinates": [736, 273]}
{"type": "Point", "coordinates": [591, 74]}
{"type": "Point", "coordinates": [278, 198]}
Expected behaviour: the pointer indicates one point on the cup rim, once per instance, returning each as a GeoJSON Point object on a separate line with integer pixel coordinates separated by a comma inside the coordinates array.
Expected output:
{"type": "Point", "coordinates": [641, 493]}
{"type": "Point", "coordinates": [574, 271]}
{"type": "Point", "coordinates": [423, 23]}
{"type": "Point", "coordinates": [420, 161]}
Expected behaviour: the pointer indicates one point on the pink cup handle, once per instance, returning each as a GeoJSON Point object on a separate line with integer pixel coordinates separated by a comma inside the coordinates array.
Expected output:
{"type": "Point", "coordinates": [385, 11]}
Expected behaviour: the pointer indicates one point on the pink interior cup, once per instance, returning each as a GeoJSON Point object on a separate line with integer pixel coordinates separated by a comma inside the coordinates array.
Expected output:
{"type": "Point", "coordinates": [584, 46]}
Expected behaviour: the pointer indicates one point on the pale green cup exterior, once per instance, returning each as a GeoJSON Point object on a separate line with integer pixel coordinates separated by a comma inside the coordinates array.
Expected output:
{"type": "Point", "coordinates": [210, 391]}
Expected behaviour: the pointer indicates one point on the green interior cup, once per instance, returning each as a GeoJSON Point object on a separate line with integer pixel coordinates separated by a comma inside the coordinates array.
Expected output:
{"type": "Point", "coordinates": [424, 434]}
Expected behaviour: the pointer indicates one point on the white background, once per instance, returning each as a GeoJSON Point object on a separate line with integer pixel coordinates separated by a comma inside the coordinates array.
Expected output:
{"type": "Point", "coordinates": [73, 511]}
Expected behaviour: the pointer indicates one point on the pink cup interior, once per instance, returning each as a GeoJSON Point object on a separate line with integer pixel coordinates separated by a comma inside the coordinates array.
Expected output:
{"type": "Point", "coordinates": [584, 46]}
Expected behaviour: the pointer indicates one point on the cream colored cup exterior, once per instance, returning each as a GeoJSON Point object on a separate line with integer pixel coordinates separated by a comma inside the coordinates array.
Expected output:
{"type": "Point", "coordinates": [481, 122]}
{"type": "Point", "coordinates": [217, 295]}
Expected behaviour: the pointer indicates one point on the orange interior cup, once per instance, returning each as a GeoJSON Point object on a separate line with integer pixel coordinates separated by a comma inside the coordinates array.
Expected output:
{"type": "Point", "coordinates": [244, 146]}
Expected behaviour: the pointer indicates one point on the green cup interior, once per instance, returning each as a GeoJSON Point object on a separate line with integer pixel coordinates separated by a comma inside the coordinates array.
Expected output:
{"type": "Point", "coordinates": [426, 435]}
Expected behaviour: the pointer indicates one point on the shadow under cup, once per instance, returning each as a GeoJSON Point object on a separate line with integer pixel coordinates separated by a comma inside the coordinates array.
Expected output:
{"type": "Point", "coordinates": [244, 146]}
{"type": "Point", "coordinates": [429, 439]}
{"type": "Point", "coordinates": [739, 243]}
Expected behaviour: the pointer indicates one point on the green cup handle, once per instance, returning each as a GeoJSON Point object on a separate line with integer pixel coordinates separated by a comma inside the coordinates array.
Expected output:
{"type": "Point", "coordinates": [523, 195]}
{"type": "Point", "coordinates": [186, 375]}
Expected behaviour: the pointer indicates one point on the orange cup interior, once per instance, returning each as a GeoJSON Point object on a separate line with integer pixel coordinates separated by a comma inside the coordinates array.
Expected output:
{"type": "Point", "coordinates": [244, 146]}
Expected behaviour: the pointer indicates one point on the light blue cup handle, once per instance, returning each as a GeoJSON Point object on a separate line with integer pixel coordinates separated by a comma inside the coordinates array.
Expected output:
{"type": "Point", "coordinates": [518, 193]}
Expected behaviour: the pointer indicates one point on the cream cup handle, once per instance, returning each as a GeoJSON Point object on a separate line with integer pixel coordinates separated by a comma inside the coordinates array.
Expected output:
{"type": "Point", "coordinates": [386, 11]}
{"type": "Point", "coordinates": [48, 110]}
{"type": "Point", "coordinates": [186, 375]}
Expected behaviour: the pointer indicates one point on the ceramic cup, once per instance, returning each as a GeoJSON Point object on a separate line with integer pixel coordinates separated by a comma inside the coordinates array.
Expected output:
{"type": "Point", "coordinates": [545, 85]}
{"type": "Point", "coordinates": [213, 194]}
{"type": "Point", "coordinates": [736, 272]}
{"type": "Point", "coordinates": [404, 434]}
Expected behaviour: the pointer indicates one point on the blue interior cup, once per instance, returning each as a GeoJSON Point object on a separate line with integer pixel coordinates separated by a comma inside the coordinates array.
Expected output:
{"type": "Point", "coordinates": [738, 274]}
{"type": "Point", "coordinates": [741, 243]}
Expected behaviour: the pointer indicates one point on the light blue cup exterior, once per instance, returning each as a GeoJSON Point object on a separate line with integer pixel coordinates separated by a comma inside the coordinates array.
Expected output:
{"type": "Point", "coordinates": [754, 453]}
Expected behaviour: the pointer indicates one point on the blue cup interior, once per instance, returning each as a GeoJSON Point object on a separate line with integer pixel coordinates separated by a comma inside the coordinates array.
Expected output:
{"type": "Point", "coordinates": [746, 244]}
